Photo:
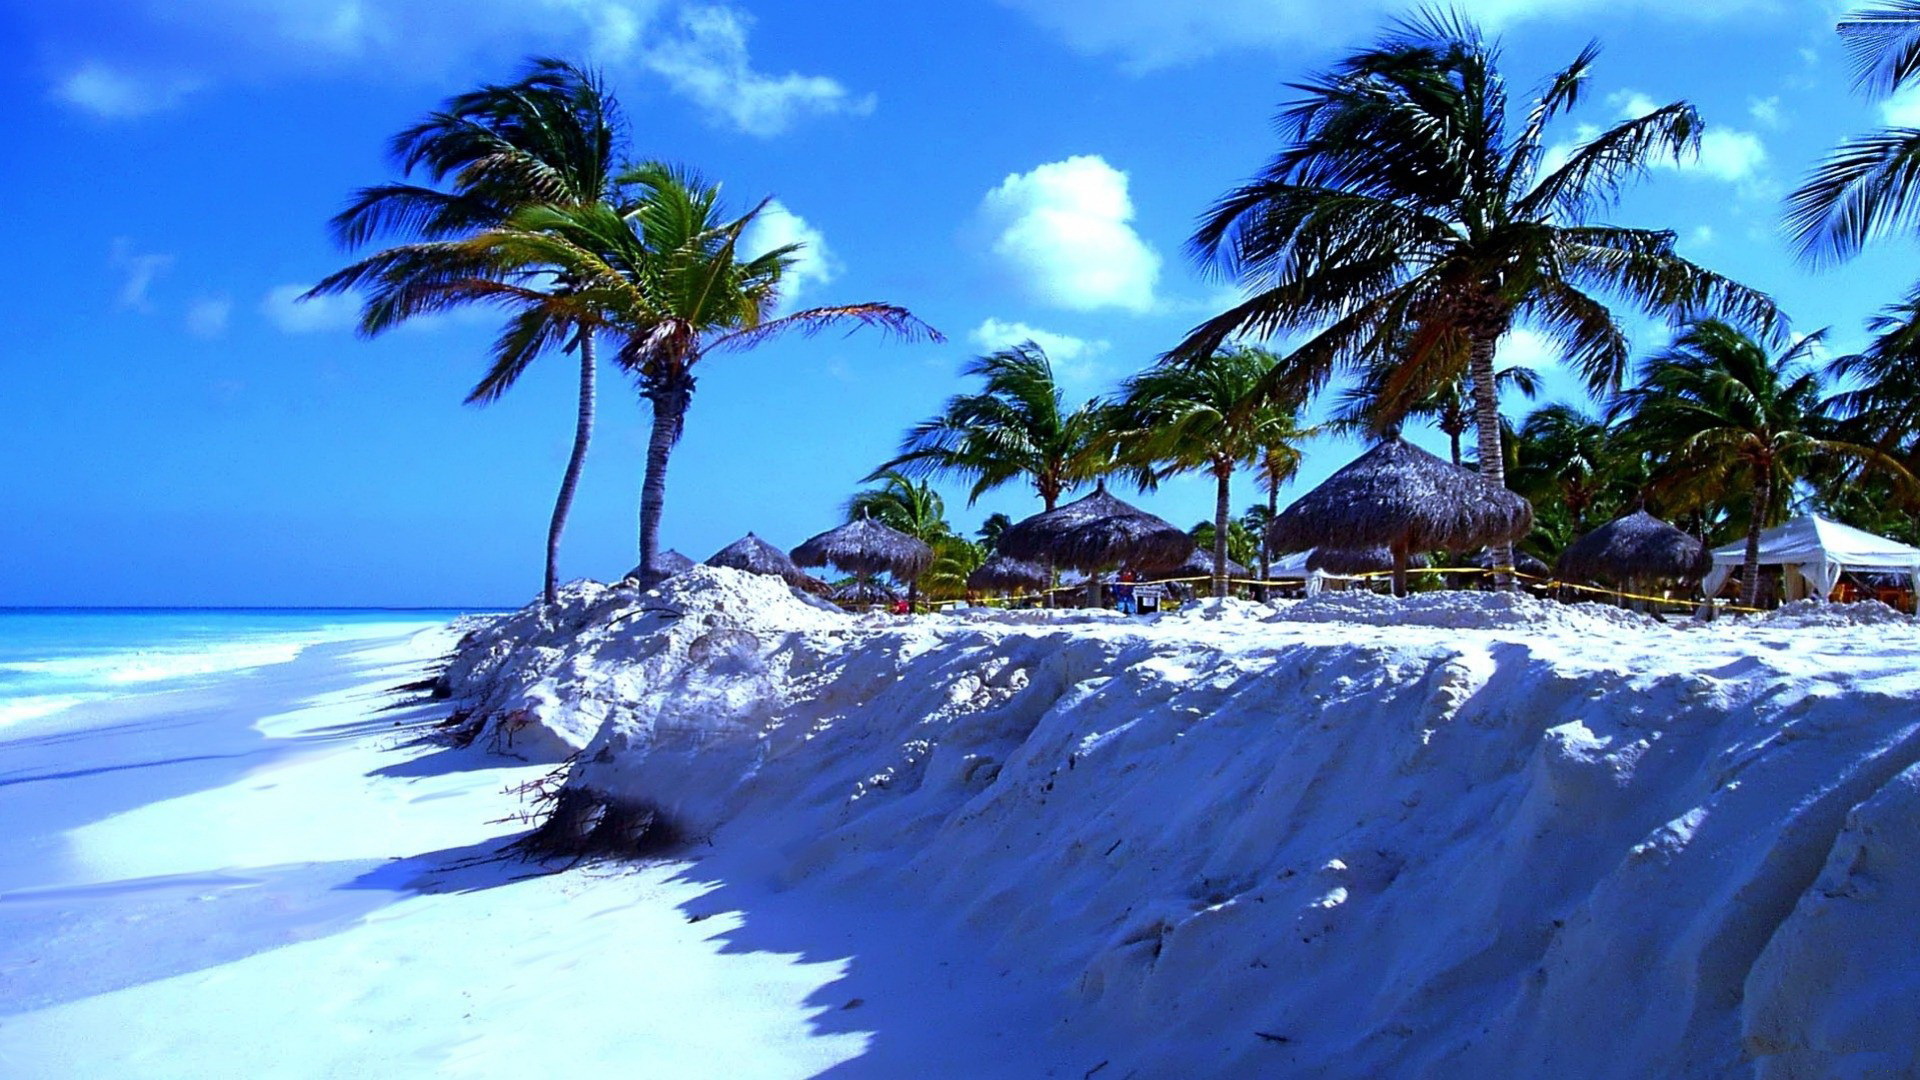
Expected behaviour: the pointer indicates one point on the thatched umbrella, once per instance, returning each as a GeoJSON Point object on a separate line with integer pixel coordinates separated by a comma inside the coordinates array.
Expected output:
{"type": "Point", "coordinates": [1198, 564]}
{"type": "Point", "coordinates": [666, 564]}
{"type": "Point", "coordinates": [1530, 565]}
{"type": "Point", "coordinates": [1400, 497]}
{"type": "Point", "coordinates": [756, 556]}
{"type": "Point", "coordinates": [1345, 561]}
{"type": "Point", "coordinates": [1636, 549]}
{"type": "Point", "coordinates": [865, 547]}
{"type": "Point", "coordinates": [1095, 533]}
{"type": "Point", "coordinates": [861, 592]}
{"type": "Point", "coordinates": [1001, 574]}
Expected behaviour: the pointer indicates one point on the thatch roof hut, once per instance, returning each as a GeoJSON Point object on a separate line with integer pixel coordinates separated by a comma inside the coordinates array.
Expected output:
{"type": "Point", "coordinates": [667, 564]}
{"type": "Point", "coordinates": [1637, 548]}
{"type": "Point", "coordinates": [1001, 574]}
{"type": "Point", "coordinates": [1373, 560]}
{"type": "Point", "coordinates": [1400, 497]}
{"type": "Point", "coordinates": [1530, 565]}
{"type": "Point", "coordinates": [756, 556]}
{"type": "Point", "coordinates": [865, 547]}
{"type": "Point", "coordinates": [1199, 564]}
{"type": "Point", "coordinates": [862, 592]}
{"type": "Point", "coordinates": [1095, 533]}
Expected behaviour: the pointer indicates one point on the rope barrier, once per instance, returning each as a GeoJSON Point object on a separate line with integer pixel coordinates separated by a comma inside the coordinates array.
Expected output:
{"type": "Point", "coordinates": [1539, 582]}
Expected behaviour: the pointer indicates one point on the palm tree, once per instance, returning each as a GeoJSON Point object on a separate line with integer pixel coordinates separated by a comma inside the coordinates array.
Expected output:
{"type": "Point", "coordinates": [1564, 455]}
{"type": "Point", "coordinates": [1242, 543]}
{"type": "Point", "coordinates": [1412, 217]}
{"type": "Point", "coordinates": [664, 274]}
{"type": "Point", "coordinates": [1017, 426]}
{"type": "Point", "coordinates": [1868, 186]}
{"type": "Point", "coordinates": [990, 530]}
{"type": "Point", "coordinates": [1206, 415]}
{"type": "Point", "coordinates": [1883, 407]}
{"type": "Point", "coordinates": [1448, 406]}
{"type": "Point", "coordinates": [914, 508]}
{"type": "Point", "coordinates": [1719, 414]}
{"type": "Point", "coordinates": [551, 136]}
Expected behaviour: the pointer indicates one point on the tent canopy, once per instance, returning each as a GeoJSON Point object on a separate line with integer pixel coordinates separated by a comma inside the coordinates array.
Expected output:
{"type": "Point", "coordinates": [1819, 550]}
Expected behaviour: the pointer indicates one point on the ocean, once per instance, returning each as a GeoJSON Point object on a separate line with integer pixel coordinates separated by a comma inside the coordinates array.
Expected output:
{"type": "Point", "coordinates": [54, 658]}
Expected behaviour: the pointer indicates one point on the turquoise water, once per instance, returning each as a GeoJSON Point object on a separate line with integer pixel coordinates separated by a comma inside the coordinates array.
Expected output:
{"type": "Point", "coordinates": [55, 658]}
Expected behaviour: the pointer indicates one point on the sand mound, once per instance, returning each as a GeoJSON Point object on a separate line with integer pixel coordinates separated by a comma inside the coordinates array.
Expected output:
{"type": "Point", "coordinates": [1812, 613]}
{"type": "Point", "coordinates": [1460, 610]}
{"type": "Point", "coordinates": [1498, 851]}
{"type": "Point", "coordinates": [538, 684]}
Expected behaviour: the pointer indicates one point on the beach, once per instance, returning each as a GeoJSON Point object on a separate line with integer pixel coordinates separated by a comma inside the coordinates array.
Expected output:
{"type": "Point", "coordinates": [269, 876]}
{"type": "Point", "coordinates": [1457, 835]}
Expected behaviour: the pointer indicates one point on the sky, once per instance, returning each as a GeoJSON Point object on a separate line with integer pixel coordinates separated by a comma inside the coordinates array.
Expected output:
{"type": "Point", "coordinates": [176, 430]}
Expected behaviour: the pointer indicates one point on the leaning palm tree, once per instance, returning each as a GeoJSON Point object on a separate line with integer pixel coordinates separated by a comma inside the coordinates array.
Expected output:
{"type": "Point", "coordinates": [1870, 186]}
{"type": "Point", "coordinates": [1411, 216]}
{"type": "Point", "coordinates": [1017, 426]}
{"type": "Point", "coordinates": [1721, 414]}
{"type": "Point", "coordinates": [666, 276]}
{"type": "Point", "coordinates": [550, 136]}
{"type": "Point", "coordinates": [1204, 415]}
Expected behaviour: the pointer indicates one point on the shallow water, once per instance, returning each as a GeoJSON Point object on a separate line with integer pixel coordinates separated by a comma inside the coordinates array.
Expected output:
{"type": "Point", "coordinates": [54, 658]}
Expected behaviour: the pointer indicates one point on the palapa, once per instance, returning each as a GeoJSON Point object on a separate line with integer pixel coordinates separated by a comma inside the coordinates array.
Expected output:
{"type": "Point", "coordinates": [1635, 549]}
{"type": "Point", "coordinates": [756, 556]}
{"type": "Point", "coordinates": [1198, 564]}
{"type": "Point", "coordinates": [1094, 533]}
{"type": "Point", "coordinates": [1372, 560]}
{"type": "Point", "coordinates": [1400, 497]}
{"type": "Point", "coordinates": [864, 547]}
{"type": "Point", "coordinates": [1530, 565]}
{"type": "Point", "coordinates": [862, 592]}
{"type": "Point", "coordinates": [667, 564]}
{"type": "Point", "coordinates": [1001, 574]}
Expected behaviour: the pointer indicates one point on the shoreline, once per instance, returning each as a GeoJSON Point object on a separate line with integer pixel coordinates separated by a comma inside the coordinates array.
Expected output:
{"type": "Point", "coordinates": [313, 907]}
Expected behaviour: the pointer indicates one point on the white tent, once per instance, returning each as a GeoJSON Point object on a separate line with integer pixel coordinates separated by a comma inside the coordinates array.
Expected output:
{"type": "Point", "coordinates": [1818, 550]}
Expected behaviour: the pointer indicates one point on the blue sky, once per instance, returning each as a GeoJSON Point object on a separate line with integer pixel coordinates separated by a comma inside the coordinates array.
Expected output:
{"type": "Point", "coordinates": [174, 431]}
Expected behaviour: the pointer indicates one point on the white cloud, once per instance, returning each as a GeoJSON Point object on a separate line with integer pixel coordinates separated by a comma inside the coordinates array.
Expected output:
{"type": "Point", "coordinates": [1766, 112]}
{"type": "Point", "coordinates": [113, 94]}
{"type": "Point", "coordinates": [1527, 348]}
{"type": "Point", "coordinates": [1074, 359]}
{"type": "Point", "coordinates": [1148, 34]}
{"type": "Point", "coordinates": [207, 317]}
{"type": "Point", "coordinates": [283, 307]}
{"type": "Point", "coordinates": [698, 49]}
{"type": "Point", "coordinates": [1701, 236]}
{"type": "Point", "coordinates": [137, 273]}
{"type": "Point", "coordinates": [1063, 230]}
{"type": "Point", "coordinates": [814, 264]}
{"type": "Point", "coordinates": [1725, 153]}
{"type": "Point", "coordinates": [1902, 109]}
{"type": "Point", "coordinates": [708, 64]}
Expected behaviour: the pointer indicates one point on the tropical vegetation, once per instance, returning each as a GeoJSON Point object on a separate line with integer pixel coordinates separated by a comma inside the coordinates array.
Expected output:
{"type": "Point", "coordinates": [1414, 220]}
{"type": "Point", "coordinates": [551, 136]}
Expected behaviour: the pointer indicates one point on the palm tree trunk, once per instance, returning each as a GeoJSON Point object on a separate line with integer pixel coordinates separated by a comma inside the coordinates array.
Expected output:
{"type": "Point", "coordinates": [1750, 570]}
{"type": "Point", "coordinates": [670, 400]}
{"type": "Point", "coordinates": [1222, 513]}
{"type": "Point", "coordinates": [1454, 423]}
{"type": "Point", "coordinates": [582, 432]}
{"type": "Point", "coordinates": [1266, 560]}
{"type": "Point", "coordinates": [1486, 422]}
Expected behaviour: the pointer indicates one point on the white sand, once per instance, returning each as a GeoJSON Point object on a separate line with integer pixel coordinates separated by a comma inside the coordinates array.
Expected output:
{"type": "Point", "coordinates": [294, 916]}
{"type": "Point", "coordinates": [1459, 837]}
